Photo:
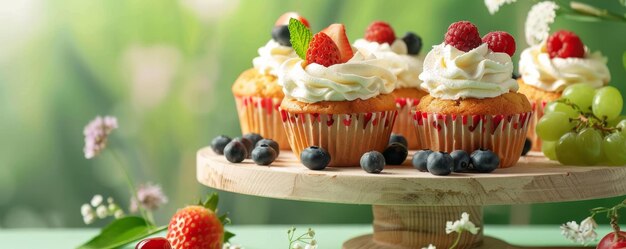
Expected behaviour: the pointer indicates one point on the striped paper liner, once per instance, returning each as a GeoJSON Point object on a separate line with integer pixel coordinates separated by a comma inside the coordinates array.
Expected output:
{"type": "Point", "coordinates": [404, 121]}
{"type": "Point", "coordinates": [261, 115]}
{"type": "Point", "coordinates": [538, 109]}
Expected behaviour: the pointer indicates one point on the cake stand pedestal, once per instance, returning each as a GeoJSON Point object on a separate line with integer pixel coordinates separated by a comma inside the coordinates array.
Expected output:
{"type": "Point", "coordinates": [411, 207]}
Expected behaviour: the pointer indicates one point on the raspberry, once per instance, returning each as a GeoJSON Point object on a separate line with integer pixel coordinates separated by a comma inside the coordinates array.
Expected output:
{"type": "Point", "coordinates": [463, 35]}
{"type": "Point", "coordinates": [500, 41]}
{"type": "Point", "coordinates": [380, 32]}
{"type": "Point", "coordinates": [565, 44]}
{"type": "Point", "coordinates": [322, 50]}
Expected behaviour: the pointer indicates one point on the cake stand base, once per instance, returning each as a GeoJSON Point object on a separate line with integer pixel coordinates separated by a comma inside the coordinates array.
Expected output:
{"type": "Point", "coordinates": [367, 242]}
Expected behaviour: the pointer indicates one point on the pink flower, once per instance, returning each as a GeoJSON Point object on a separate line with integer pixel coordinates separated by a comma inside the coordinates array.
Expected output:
{"type": "Point", "coordinates": [96, 134]}
{"type": "Point", "coordinates": [150, 197]}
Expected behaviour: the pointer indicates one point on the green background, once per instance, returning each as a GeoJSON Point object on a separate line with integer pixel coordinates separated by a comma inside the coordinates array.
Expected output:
{"type": "Point", "coordinates": [165, 68]}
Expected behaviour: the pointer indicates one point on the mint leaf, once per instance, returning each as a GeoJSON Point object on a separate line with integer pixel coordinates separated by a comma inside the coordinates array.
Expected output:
{"type": "Point", "coordinates": [121, 232]}
{"type": "Point", "coordinates": [300, 37]}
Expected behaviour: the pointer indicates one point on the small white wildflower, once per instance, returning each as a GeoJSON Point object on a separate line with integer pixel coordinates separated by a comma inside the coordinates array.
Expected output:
{"type": "Point", "coordinates": [96, 200]}
{"type": "Point", "coordinates": [113, 207]}
{"type": "Point", "coordinates": [118, 214]}
{"type": "Point", "coordinates": [464, 224]}
{"type": "Point", "coordinates": [102, 212]}
{"type": "Point", "coordinates": [110, 200]}
{"type": "Point", "coordinates": [313, 242]}
{"type": "Point", "coordinates": [86, 209]}
{"type": "Point", "coordinates": [310, 246]}
{"type": "Point", "coordinates": [311, 233]}
{"type": "Point", "coordinates": [430, 247]}
{"type": "Point", "coordinates": [583, 233]}
{"type": "Point", "coordinates": [297, 246]}
{"type": "Point", "coordinates": [494, 5]}
{"type": "Point", "coordinates": [150, 197]}
{"type": "Point", "coordinates": [96, 134]}
{"type": "Point", "coordinates": [89, 218]}
{"type": "Point", "coordinates": [538, 21]}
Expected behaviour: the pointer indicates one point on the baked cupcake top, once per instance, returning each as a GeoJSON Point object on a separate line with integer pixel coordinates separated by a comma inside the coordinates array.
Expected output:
{"type": "Point", "coordinates": [402, 53]}
{"type": "Point", "coordinates": [466, 66]}
{"type": "Point", "coordinates": [551, 67]}
{"type": "Point", "coordinates": [327, 68]}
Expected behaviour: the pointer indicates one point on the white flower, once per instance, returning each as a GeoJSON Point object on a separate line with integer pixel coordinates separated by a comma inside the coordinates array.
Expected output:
{"type": "Point", "coordinates": [313, 242]}
{"type": "Point", "coordinates": [582, 234]}
{"type": "Point", "coordinates": [588, 229]}
{"type": "Point", "coordinates": [150, 197]}
{"type": "Point", "coordinates": [430, 247]}
{"type": "Point", "coordinates": [96, 134]}
{"type": "Point", "coordinates": [310, 246]}
{"type": "Point", "coordinates": [296, 246]}
{"type": "Point", "coordinates": [538, 21]}
{"type": "Point", "coordinates": [96, 200]}
{"type": "Point", "coordinates": [118, 214]}
{"type": "Point", "coordinates": [110, 200]}
{"type": "Point", "coordinates": [494, 5]}
{"type": "Point", "coordinates": [102, 212]}
{"type": "Point", "coordinates": [89, 218]}
{"type": "Point", "coordinates": [86, 209]}
{"type": "Point", "coordinates": [464, 224]}
{"type": "Point", "coordinates": [229, 246]}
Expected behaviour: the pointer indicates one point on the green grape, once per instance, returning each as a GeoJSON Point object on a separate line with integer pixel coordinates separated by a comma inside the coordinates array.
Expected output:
{"type": "Point", "coordinates": [614, 146]}
{"type": "Point", "coordinates": [614, 122]}
{"type": "Point", "coordinates": [553, 125]}
{"type": "Point", "coordinates": [547, 147]}
{"type": "Point", "coordinates": [589, 143]}
{"type": "Point", "coordinates": [560, 107]}
{"type": "Point", "coordinates": [622, 126]}
{"type": "Point", "coordinates": [580, 94]}
{"type": "Point", "coordinates": [607, 103]}
{"type": "Point", "coordinates": [567, 150]}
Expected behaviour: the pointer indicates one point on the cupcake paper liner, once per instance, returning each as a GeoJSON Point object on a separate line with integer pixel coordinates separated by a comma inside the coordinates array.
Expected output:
{"type": "Point", "coordinates": [538, 111]}
{"type": "Point", "coordinates": [404, 121]}
{"type": "Point", "coordinates": [502, 134]}
{"type": "Point", "coordinates": [261, 115]}
{"type": "Point", "coordinates": [346, 137]}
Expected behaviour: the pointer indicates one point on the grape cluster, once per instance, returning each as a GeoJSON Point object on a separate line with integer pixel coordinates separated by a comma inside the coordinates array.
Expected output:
{"type": "Point", "coordinates": [584, 127]}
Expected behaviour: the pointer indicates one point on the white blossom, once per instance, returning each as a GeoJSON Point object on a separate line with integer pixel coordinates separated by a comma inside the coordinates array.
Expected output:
{"type": "Point", "coordinates": [583, 233]}
{"type": "Point", "coordinates": [110, 200]}
{"type": "Point", "coordinates": [86, 209]}
{"type": "Point", "coordinates": [538, 21]}
{"type": "Point", "coordinates": [297, 246]}
{"type": "Point", "coordinates": [96, 200]}
{"type": "Point", "coordinates": [102, 212]}
{"type": "Point", "coordinates": [309, 246]}
{"type": "Point", "coordinates": [150, 196]}
{"type": "Point", "coordinates": [429, 247]}
{"type": "Point", "coordinates": [96, 134]}
{"type": "Point", "coordinates": [494, 5]}
{"type": "Point", "coordinates": [231, 246]}
{"type": "Point", "coordinates": [89, 218]}
{"type": "Point", "coordinates": [464, 224]}
{"type": "Point", "coordinates": [118, 214]}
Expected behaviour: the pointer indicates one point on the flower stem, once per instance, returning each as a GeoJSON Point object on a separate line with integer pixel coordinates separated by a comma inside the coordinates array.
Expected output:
{"type": "Point", "coordinates": [456, 242]}
{"type": "Point", "coordinates": [133, 189]}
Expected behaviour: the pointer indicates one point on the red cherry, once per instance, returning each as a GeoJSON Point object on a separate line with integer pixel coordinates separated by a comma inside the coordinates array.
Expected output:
{"type": "Point", "coordinates": [154, 243]}
{"type": "Point", "coordinates": [609, 242]}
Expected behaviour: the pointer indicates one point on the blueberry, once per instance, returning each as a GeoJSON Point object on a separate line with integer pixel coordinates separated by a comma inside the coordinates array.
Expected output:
{"type": "Point", "coordinates": [419, 159]}
{"type": "Point", "coordinates": [440, 163]}
{"type": "Point", "coordinates": [461, 161]}
{"type": "Point", "coordinates": [373, 162]}
{"type": "Point", "coordinates": [271, 143]}
{"type": "Point", "coordinates": [253, 137]}
{"type": "Point", "coordinates": [315, 158]}
{"type": "Point", "coordinates": [413, 43]}
{"type": "Point", "coordinates": [281, 35]}
{"type": "Point", "coordinates": [395, 154]}
{"type": "Point", "coordinates": [218, 143]}
{"type": "Point", "coordinates": [527, 146]}
{"type": "Point", "coordinates": [485, 161]}
{"type": "Point", "coordinates": [264, 154]}
{"type": "Point", "coordinates": [247, 144]}
{"type": "Point", "coordinates": [398, 138]}
{"type": "Point", "coordinates": [235, 151]}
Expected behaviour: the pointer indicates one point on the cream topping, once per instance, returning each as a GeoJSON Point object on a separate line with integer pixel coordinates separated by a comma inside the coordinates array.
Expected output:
{"type": "Point", "coordinates": [271, 56]}
{"type": "Point", "coordinates": [405, 66]}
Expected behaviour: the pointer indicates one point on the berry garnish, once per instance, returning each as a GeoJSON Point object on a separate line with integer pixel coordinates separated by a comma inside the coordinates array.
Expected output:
{"type": "Point", "coordinates": [284, 19]}
{"type": "Point", "coordinates": [398, 138]}
{"type": "Point", "coordinates": [611, 242]}
{"type": "Point", "coordinates": [337, 32]}
{"type": "Point", "coordinates": [322, 50]}
{"type": "Point", "coordinates": [395, 154]}
{"type": "Point", "coordinates": [372, 162]}
{"type": "Point", "coordinates": [271, 143]}
{"type": "Point", "coordinates": [281, 35]}
{"type": "Point", "coordinates": [484, 161]}
{"type": "Point", "coordinates": [253, 137]}
{"type": "Point", "coordinates": [380, 32]}
{"type": "Point", "coordinates": [527, 146]}
{"type": "Point", "coordinates": [264, 155]}
{"type": "Point", "coordinates": [154, 243]}
{"type": "Point", "coordinates": [439, 163]}
{"type": "Point", "coordinates": [235, 151]}
{"type": "Point", "coordinates": [565, 44]}
{"type": "Point", "coordinates": [413, 43]}
{"type": "Point", "coordinates": [247, 143]}
{"type": "Point", "coordinates": [501, 42]}
{"type": "Point", "coordinates": [315, 158]}
{"type": "Point", "coordinates": [197, 226]}
{"type": "Point", "coordinates": [420, 159]}
{"type": "Point", "coordinates": [461, 161]}
{"type": "Point", "coordinates": [463, 35]}
{"type": "Point", "coordinates": [218, 143]}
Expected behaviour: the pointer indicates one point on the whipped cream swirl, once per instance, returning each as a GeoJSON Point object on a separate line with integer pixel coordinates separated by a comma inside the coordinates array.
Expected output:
{"type": "Point", "coordinates": [405, 66]}
{"type": "Point", "coordinates": [271, 56]}
{"type": "Point", "coordinates": [555, 74]}
{"type": "Point", "coordinates": [362, 77]}
{"type": "Point", "coordinates": [480, 73]}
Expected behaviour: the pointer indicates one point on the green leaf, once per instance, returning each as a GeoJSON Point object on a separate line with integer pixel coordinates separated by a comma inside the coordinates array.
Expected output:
{"type": "Point", "coordinates": [121, 232]}
{"type": "Point", "coordinates": [624, 60]}
{"type": "Point", "coordinates": [211, 202]}
{"type": "Point", "coordinates": [228, 235]}
{"type": "Point", "coordinates": [300, 37]}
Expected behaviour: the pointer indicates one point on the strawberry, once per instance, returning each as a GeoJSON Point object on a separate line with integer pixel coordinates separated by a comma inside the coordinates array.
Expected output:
{"type": "Point", "coordinates": [380, 32]}
{"type": "Point", "coordinates": [198, 226]}
{"type": "Point", "coordinates": [322, 50]}
{"type": "Point", "coordinates": [337, 32]}
{"type": "Point", "coordinates": [284, 19]}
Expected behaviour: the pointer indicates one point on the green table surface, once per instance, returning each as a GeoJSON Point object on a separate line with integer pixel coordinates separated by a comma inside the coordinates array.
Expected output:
{"type": "Point", "coordinates": [275, 236]}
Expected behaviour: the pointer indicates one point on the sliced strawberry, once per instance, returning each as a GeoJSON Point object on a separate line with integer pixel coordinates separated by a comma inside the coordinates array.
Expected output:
{"type": "Point", "coordinates": [284, 19]}
{"type": "Point", "coordinates": [337, 32]}
{"type": "Point", "coordinates": [323, 50]}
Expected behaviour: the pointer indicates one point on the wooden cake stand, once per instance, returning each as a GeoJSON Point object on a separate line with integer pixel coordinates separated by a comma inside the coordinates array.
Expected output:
{"type": "Point", "coordinates": [411, 207]}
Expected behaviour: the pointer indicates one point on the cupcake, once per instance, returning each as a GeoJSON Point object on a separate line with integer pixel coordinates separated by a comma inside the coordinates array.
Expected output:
{"type": "Point", "coordinates": [549, 67]}
{"type": "Point", "coordinates": [336, 99]}
{"type": "Point", "coordinates": [256, 90]}
{"type": "Point", "coordinates": [472, 102]}
{"type": "Point", "coordinates": [406, 64]}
